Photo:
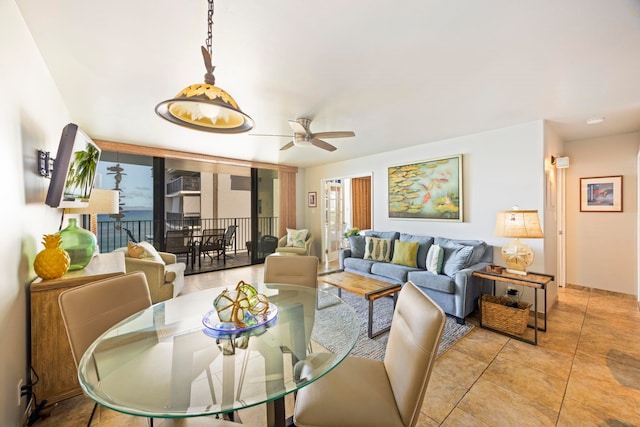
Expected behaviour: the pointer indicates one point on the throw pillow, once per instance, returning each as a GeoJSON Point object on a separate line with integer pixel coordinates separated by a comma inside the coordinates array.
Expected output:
{"type": "Point", "coordinates": [456, 257]}
{"type": "Point", "coordinates": [377, 249]}
{"type": "Point", "coordinates": [434, 259]}
{"type": "Point", "coordinates": [357, 246]}
{"type": "Point", "coordinates": [143, 250]}
{"type": "Point", "coordinates": [405, 253]}
{"type": "Point", "coordinates": [296, 238]}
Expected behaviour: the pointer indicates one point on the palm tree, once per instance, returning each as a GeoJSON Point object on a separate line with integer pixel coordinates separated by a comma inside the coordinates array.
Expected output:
{"type": "Point", "coordinates": [83, 170]}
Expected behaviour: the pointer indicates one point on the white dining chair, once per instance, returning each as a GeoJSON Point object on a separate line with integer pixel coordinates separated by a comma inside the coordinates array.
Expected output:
{"type": "Point", "coordinates": [388, 393]}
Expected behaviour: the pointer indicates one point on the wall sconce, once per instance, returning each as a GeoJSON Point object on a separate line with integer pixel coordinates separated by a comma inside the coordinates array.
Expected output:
{"type": "Point", "coordinates": [560, 162]}
{"type": "Point", "coordinates": [45, 163]}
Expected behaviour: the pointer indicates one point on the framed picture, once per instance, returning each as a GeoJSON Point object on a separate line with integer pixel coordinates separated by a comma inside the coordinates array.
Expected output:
{"type": "Point", "coordinates": [313, 199]}
{"type": "Point", "coordinates": [428, 190]}
{"type": "Point", "coordinates": [601, 194]}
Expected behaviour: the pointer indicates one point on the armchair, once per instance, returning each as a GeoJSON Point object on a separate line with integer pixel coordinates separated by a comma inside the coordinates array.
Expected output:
{"type": "Point", "coordinates": [306, 250]}
{"type": "Point", "coordinates": [165, 279]}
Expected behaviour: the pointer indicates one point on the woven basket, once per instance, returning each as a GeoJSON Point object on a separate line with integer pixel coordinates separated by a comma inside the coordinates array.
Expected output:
{"type": "Point", "coordinates": [497, 315]}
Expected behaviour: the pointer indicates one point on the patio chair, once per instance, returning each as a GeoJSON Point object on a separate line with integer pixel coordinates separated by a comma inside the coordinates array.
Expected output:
{"type": "Point", "coordinates": [212, 240]}
{"type": "Point", "coordinates": [180, 242]}
{"type": "Point", "coordinates": [229, 238]}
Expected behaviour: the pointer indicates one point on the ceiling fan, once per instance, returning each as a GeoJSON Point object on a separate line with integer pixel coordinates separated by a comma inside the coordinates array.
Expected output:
{"type": "Point", "coordinates": [303, 137]}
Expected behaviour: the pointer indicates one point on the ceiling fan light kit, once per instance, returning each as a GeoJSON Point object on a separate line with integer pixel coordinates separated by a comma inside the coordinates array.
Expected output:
{"type": "Point", "coordinates": [206, 107]}
{"type": "Point", "coordinates": [303, 137]}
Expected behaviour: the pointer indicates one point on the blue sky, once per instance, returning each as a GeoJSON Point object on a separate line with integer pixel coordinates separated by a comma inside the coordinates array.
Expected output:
{"type": "Point", "coordinates": [136, 184]}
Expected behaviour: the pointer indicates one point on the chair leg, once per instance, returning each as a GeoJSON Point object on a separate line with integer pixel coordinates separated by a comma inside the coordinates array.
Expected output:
{"type": "Point", "coordinates": [93, 412]}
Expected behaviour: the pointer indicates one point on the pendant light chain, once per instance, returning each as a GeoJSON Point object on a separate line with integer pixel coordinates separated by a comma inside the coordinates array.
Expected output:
{"type": "Point", "coordinates": [209, 28]}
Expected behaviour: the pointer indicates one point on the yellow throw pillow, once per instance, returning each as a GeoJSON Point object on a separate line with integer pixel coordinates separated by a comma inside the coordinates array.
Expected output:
{"type": "Point", "coordinates": [143, 250]}
{"type": "Point", "coordinates": [405, 253]}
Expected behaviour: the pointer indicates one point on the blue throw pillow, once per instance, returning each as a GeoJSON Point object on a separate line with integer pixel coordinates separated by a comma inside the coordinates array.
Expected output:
{"type": "Point", "coordinates": [357, 246]}
{"type": "Point", "coordinates": [456, 257]}
{"type": "Point", "coordinates": [479, 247]}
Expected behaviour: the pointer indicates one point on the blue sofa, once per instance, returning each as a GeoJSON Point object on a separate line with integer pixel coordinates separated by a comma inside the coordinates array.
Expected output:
{"type": "Point", "coordinates": [454, 289]}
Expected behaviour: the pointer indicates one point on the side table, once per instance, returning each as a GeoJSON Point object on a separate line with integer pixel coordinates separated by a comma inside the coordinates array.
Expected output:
{"type": "Point", "coordinates": [51, 356]}
{"type": "Point", "coordinates": [531, 280]}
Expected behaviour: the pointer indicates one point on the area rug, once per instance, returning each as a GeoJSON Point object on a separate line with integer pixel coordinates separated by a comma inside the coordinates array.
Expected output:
{"type": "Point", "coordinates": [374, 348]}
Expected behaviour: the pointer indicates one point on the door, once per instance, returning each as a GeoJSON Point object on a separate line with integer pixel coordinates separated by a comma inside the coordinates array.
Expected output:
{"type": "Point", "coordinates": [333, 209]}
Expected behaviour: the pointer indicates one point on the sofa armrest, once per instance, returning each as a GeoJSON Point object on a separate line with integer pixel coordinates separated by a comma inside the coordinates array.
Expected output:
{"type": "Point", "coordinates": [168, 258]}
{"type": "Point", "coordinates": [467, 289]}
{"type": "Point", "coordinates": [344, 253]}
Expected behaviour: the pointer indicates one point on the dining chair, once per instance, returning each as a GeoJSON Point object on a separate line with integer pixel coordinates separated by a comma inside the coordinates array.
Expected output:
{"type": "Point", "coordinates": [295, 270]}
{"type": "Point", "coordinates": [89, 310]}
{"type": "Point", "coordinates": [395, 387]}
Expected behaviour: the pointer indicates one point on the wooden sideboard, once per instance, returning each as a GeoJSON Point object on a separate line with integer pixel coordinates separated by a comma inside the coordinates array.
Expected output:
{"type": "Point", "coordinates": [51, 356]}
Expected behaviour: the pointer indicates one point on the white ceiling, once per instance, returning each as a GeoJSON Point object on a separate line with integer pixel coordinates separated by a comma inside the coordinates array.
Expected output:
{"type": "Point", "coordinates": [397, 73]}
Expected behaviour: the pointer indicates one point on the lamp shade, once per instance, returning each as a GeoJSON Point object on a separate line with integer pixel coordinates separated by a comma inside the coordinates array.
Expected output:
{"type": "Point", "coordinates": [518, 224]}
{"type": "Point", "coordinates": [100, 202]}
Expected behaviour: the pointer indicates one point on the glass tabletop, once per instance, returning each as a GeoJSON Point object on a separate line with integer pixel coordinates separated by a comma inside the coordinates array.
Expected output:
{"type": "Point", "coordinates": [163, 362]}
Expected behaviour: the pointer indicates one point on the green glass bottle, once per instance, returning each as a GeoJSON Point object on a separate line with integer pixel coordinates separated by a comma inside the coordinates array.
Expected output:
{"type": "Point", "coordinates": [79, 243]}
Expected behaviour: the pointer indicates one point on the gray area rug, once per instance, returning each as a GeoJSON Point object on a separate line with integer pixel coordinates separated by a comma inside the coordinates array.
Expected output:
{"type": "Point", "coordinates": [382, 313]}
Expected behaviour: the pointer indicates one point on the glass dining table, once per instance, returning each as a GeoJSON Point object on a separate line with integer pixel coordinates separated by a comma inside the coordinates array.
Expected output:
{"type": "Point", "coordinates": [170, 360]}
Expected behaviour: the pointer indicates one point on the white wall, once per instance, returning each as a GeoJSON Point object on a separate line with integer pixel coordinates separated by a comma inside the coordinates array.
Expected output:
{"type": "Point", "coordinates": [501, 168]}
{"type": "Point", "coordinates": [601, 246]}
{"type": "Point", "coordinates": [32, 116]}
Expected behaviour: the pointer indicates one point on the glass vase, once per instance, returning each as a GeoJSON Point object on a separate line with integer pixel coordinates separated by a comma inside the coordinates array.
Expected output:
{"type": "Point", "coordinates": [79, 243]}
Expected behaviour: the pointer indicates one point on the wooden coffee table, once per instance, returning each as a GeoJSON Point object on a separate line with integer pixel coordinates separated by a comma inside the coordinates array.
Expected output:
{"type": "Point", "coordinates": [370, 289]}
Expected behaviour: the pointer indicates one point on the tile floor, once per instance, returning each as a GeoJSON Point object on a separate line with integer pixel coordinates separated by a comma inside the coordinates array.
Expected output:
{"type": "Point", "coordinates": [585, 371]}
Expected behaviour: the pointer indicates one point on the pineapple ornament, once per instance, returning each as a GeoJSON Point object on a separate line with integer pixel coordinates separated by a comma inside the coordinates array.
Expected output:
{"type": "Point", "coordinates": [53, 261]}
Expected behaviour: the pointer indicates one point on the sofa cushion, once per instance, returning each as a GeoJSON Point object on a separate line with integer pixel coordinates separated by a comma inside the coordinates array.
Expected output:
{"type": "Point", "coordinates": [292, 250]}
{"type": "Point", "coordinates": [479, 247]}
{"type": "Point", "coordinates": [377, 249]}
{"type": "Point", "coordinates": [424, 243]}
{"type": "Point", "coordinates": [456, 257]}
{"type": "Point", "coordinates": [392, 271]}
{"type": "Point", "coordinates": [143, 250]}
{"type": "Point", "coordinates": [358, 264]}
{"type": "Point", "coordinates": [296, 238]}
{"type": "Point", "coordinates": [356, 244]}
{"type": "Point", "coordinates": [437, 282]}
{"type": "Point", "coordinates": [405, 253]}
{"type": "Point", "coordinates": [434, 260]}
{"type": "Point", "coordinates": [391, 235]}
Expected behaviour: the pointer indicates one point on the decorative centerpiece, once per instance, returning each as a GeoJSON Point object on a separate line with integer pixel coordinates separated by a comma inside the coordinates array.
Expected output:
{"type": "Point", "coordinates": [234, 306]}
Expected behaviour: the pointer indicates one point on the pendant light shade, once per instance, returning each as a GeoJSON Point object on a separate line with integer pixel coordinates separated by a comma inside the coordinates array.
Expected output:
{"type": "Point", "coordinates": [205, 106]}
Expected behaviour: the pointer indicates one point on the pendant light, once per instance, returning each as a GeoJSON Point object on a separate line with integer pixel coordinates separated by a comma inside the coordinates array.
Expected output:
{"type": "Point", "coordinates": [205, 106]}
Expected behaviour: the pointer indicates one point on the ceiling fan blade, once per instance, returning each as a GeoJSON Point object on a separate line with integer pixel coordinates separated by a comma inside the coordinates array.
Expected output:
{"type": "Point", "coordinates": [322, 144]}
{"type": "Point", "coordinates": [297, 127]}
{"type": "Point", "coordinates": [337, 134]}
{"type": "Point", "coordinates": [287, 146]}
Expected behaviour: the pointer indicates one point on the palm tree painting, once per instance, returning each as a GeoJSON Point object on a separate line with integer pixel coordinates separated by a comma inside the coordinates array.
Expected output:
{"type": "Point", "coordinates": [430, 190]}
{"type": "Point", "coordinates": [82, 170]}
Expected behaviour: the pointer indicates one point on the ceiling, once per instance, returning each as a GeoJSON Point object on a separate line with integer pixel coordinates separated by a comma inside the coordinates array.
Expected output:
{"type": "Point", "coordinates": [398, 74]}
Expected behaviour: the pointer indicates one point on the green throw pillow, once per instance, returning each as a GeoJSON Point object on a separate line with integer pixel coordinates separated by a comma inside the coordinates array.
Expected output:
{"type": "Point", "coordinates": [296, 238]}
{"type": "Point", "coordinates": [434, 259]}
{"type": "Point", "coordinates": [405, 253]}
{"type": "Point", "coordinates": [377, 249]}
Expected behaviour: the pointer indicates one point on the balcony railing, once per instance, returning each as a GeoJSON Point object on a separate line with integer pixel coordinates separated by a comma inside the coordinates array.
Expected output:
{"type": "Point", "coordinates": [115, 234]}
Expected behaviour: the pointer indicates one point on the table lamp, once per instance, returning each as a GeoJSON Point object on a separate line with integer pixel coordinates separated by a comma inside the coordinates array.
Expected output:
{"type": "Point", "coordinates": [521, 224]}
{"type": "Point", "coordinates": [100, 202]}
